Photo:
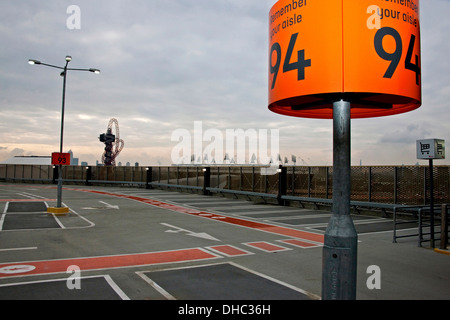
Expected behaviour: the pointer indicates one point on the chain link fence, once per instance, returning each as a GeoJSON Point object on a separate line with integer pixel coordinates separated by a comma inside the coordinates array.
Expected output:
{"type": "Point", "coordinates": [408, 185]}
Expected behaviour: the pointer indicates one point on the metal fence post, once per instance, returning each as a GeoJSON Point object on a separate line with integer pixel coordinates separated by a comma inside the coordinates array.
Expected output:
{"type": "Point", "coordinates": [196, 176]}
{"type": "Point", "coordinates": [55, 174]}
{"type": "Point", "coordinates": [241, 178]}
{"type": "Point", "coordinates": [206, 180]}
{"type": "Point", "coordinates": [431, 204]}
{"type": "Point", "coordinates": [309, 182]}
{"type": "Point", "coordinates": [293, 181]}
{"type": "Point", "coordinates": [149, 178]}
{"type": "Point", "coordinates": [159, 174]}
{"type": "Point", "coordinates": [444, 227]}
{"type": "Point", "coordinates": [395, 184]}
{"type": "Point", "coordinates": [218, 178]}
{"type": "Point", "coordinates": [88, 175]}
{"type": "Point", "coordinates": [282, 175]}
{"type": "Point", "coordinates": [424, 185]}
{"type": "Point", "coordinates": [187, 176]}
{"type": "Point", "coordinates": [168, 175]}
{"type": "Point", "coordinates": [326, 182]}
{"type": "Point", "coordinates": [253, 178]}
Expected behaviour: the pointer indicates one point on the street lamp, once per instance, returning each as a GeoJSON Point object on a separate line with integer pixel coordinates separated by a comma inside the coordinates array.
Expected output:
{"type": "Point", "coordinates": [64, 75]}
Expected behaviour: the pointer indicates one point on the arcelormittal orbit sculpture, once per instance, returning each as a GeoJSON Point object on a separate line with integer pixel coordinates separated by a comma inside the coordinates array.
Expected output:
{"type": "Point", "coordinates": [113, 143]}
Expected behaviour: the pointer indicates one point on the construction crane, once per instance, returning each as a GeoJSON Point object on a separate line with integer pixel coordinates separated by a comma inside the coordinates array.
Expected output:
{"type": "Point", "coordinates": [113, 143]}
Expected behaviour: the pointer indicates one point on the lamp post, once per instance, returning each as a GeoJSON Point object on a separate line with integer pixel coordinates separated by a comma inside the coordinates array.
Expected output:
{"type": "Point", "coordinates": [64, 75]}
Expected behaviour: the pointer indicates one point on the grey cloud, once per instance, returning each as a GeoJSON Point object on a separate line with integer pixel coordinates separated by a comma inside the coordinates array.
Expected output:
{"type": "Point", "coordinates": [406, 135]}
{"type": "Point", "coordinates": [169, 63]}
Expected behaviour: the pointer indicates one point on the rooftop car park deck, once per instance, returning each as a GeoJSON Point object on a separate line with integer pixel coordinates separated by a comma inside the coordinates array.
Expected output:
{"type": "Point", "coordinates": [150, 244]}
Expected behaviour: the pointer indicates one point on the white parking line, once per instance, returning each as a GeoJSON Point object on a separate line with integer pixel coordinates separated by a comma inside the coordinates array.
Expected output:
{"type": "Point", "coordinates": [107, 278]}
{"type": "Point", "coordinates": [14, 249]}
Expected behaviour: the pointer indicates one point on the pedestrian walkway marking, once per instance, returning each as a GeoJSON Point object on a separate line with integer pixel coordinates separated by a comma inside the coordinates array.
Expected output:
{"type": "Point", "coordinates": [229, 251]}
{"type": "Point", "coordinates": [105, 262]}
{"type": "Point", "coordinates": [266, 246]}
{"type": "Point", "coordinates": [301, 244]}
{"type": "Point", "coordinates": [14, 269]}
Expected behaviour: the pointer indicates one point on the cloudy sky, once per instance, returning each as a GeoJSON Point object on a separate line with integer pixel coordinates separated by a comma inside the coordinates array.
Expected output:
{"type": "Point", "coordinates": [168, 63]}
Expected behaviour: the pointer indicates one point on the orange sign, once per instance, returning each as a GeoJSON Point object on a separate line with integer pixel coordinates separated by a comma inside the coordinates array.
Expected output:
{"type": "Point", "coordinates": [363, 51]}
{"type": "Point", "coordinates": [62, 159]}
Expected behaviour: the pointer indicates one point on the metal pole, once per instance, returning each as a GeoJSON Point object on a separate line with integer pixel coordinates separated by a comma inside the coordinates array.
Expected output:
{"type": "Point", "coordinates": [444, 227]}
{"type": "Point", "coordinates": [282, 176]}
{"type": "Point", "coordinates": [206, 180]}
{"type": "Point", "coordinates": [149, 178]}
{"type": "Point", "coordinates": [340, 246]}
{"type": "Point", "coordinates": [59, 191]}
{"type": "Point", "coordinates": [431, 204]}
{"type": "Point", "coordinates": [64, 75]}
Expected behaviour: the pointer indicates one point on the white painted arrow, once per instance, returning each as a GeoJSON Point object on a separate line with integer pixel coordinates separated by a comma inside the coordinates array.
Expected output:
{"type": "Point", "coordinates": [202, 235]}
{"type": "Point", "coordinates": [109, 206]}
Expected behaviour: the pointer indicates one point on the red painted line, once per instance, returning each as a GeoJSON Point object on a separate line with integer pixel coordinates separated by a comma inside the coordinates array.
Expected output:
{"type": "Point", "coordinates": [316, 237]}
{"type": "Point", "coordinates": [266, 246]}
{"type": "Point", "coordinates": [272, 228]}
{"type": "Point", "coordinates": [301, 244]}
{"type": "Point", "coordinates": [106, 262]}
{"type": "Point", "coordinates": [229, 250]}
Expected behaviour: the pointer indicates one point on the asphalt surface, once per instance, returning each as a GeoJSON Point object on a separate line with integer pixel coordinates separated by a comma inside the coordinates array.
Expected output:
{"type": "Point", "coordinates": [138, 244]}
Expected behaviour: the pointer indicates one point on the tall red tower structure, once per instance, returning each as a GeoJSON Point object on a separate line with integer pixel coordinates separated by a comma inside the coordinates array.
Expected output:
{"type": "Point", "coordinates": [113, 143]}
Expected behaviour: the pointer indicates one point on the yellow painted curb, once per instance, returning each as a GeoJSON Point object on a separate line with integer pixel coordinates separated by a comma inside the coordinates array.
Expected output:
{"type": "Point", "coordinates": [447, 252]}
{"type": "Point", "coordinates": [58, 211]}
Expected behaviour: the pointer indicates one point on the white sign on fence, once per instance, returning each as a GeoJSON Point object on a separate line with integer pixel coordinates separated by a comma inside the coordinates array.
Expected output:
{"type": "Point", "coordinates": [431, 149]}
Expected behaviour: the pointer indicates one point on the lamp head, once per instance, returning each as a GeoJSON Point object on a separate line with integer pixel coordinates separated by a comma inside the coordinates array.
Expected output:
{"type": "Point", "coordinates": [68, 58]}
{"type": "Point", "coordinates": [96, 71]}
{"type": "Point", "coordinates": [31, 61]}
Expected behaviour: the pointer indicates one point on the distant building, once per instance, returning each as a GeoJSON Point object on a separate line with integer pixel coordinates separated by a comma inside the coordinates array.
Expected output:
{"type": "Point", "coordinates": [73, 161]}
{"type": "Point", "coordinates": [38, 160]}
{"type": "Point", "coordinates": [29, 160]}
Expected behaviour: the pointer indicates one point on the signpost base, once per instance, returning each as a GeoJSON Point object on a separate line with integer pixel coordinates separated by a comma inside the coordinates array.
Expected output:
{"type": "Point", "coordinates": [341, 240]}
{"type": "Point", "coordinates": [58, 211]}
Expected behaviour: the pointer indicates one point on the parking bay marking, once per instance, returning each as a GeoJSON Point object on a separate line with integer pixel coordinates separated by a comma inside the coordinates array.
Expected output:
{"type": "Point", "coordinates": [303, 235]}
